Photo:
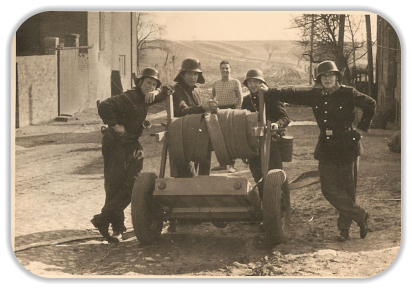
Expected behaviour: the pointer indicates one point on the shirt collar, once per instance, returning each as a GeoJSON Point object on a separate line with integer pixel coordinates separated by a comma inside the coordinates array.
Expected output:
{"type": "Point", "coordinates": [331, 90]}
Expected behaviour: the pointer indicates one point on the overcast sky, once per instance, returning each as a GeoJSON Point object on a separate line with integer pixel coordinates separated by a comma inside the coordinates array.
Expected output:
{"type": "Point", "coordinates": [233, 25]}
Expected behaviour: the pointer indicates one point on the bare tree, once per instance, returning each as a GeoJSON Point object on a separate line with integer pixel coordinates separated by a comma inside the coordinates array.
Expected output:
{"type": "Point", "coordinates": [326, 33]}
{"type": "Point", "coordinates": [354, 26]}
{"type": "Point", "coordinates": [270, 47]}
{"type": "Point", "coordinates": [148, 36]}
{"type": "Point", "coordinates": [172, 51]}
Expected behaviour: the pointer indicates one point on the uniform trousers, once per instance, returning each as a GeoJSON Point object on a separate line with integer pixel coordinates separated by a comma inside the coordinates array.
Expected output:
{"type": "Point", "coordinates": [338, 187]}
{"type": "Point", "coordinates": [123, 160]}
{"type": "Point", "coordinates": [185, 169]}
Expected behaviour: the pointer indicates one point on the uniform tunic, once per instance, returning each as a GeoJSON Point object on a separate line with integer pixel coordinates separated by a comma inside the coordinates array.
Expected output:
{"type": "Point", "coordinates": [335, 113]}
{"type": "Point", "coordinates": [123, 156]}
{"type": "Point", "coordinates": [186, 100]}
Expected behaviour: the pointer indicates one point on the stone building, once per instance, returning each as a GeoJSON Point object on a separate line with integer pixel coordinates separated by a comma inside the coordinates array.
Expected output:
{"type": "Point", "coordinates": [65, 62]}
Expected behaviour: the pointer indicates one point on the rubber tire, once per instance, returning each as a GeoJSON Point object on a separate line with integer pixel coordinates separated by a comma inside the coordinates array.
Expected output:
{"type": "Point", "coordinates": [276, 207]}
{"type": "Point", "coordinates": [147, 220]}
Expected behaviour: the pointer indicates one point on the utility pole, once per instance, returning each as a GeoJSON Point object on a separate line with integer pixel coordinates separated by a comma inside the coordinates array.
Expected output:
{"type": "Point", "coordinates": [311, 49]}
{"type": "Point", "coordinates": [370, 57]}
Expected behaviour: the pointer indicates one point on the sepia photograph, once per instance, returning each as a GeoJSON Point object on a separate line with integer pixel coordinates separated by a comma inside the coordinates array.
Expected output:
{"type": "Point", "coordinates": [206, 144]}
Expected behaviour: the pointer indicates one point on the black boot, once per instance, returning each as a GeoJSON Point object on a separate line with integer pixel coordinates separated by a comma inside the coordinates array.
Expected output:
{"type": "Point", "coordinates": [343, 235]}
{"type": "Point", "coordinates": [101, 226]}
{"type": "Point", "coordinates": [364, 226]}
{"type": "Point", "coordinates": [172, 226]}
{"type": "Point", "coordinates": [118, 231]}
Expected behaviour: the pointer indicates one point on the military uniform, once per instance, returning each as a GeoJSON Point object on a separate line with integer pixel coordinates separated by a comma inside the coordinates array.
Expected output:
{"type": "Point", "coordinates": [186, 100]}
{"type": "Point", "coordinates": [276, 113]}
{"type": "Point", "coordinates": [338, 144]}
{"type": "Point", "coordinates": [123, 155]}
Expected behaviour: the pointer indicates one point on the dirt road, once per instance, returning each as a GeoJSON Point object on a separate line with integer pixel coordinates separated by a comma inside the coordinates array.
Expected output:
{"type": "Point", "coordinates": [59, 187]}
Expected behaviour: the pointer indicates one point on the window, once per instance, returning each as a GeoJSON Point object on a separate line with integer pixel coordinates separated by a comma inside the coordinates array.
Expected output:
{"type": "Point", "coordinates": [122, 65]}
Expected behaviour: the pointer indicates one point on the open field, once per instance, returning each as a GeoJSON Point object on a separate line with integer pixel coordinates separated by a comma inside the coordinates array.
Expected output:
{"type": "Point", "coordinates": [282, 68]}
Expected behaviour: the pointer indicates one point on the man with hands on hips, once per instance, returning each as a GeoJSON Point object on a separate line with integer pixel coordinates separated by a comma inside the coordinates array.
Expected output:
{"type": "Point", "coordinates": [125, 114]}
{"type": "Point", "coordinates": [338, 146]}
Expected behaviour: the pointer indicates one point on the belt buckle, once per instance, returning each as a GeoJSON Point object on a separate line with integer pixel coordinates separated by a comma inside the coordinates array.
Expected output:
{"type": "Point", "coordinates": [329, 132]}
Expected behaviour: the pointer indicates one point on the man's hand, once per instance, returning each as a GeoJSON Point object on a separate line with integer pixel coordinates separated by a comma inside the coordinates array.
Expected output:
{"type": "Point", "coordinates": [274, 126]}
{"type": "Point", "coordinates": [151, 96]}
{"type": "Point", "coordinates": [210, 106]}
{"type": "Point", "coordinates": [263, 87]}
{"type": "Point", "coordinates": [119, 129]}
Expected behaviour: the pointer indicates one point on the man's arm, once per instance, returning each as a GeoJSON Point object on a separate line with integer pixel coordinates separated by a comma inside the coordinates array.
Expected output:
{"type": "Point", "coordinates": [368, 106]}
{"type": "Point", "coordinates": [108, 109]}
{"type": "Point", "coordinates": [181, 108]}
{"type": "Point", "coordinates": [238, 93]}
{"type": "Point", "coordinates": [283, 120]}
{"type": "Point", "coordinates": [276, 112]}
{"type": "Point", "coordinates": [158, 95]}
{"type": "Point", "coordinates": [293, 96]}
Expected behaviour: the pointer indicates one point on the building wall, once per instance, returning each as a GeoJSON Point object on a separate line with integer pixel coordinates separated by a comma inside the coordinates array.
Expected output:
{"type": "Point", "coordinates": [121, 45]}
{"type": "Point", "coordinates": [102, 60]}
{"type": "Point", "coordinates": [95, 61]}
{"type": "Point", "coordinates": [83, 81]}
{"type": "Point", "coordinates": [37, 89]}
{"type": "Point", "coordinates": [388, 68]}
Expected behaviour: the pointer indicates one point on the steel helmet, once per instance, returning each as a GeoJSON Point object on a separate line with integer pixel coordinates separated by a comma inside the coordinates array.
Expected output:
{"type": "Point", "coordinates": [191, 64]}
{"type": "Point", "coordinates": [255, 74]}
{"type": "Point", "coordinates": [327, 66]}
{"type": "Point", "coordinates": [149, 72]}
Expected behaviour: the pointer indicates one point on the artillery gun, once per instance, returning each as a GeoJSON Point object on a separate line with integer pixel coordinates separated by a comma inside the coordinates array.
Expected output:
{"type": "Point", "coordinates": [217, 199]}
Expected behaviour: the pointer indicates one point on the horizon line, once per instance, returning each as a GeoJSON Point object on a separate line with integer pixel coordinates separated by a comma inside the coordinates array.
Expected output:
{"type": "Point", "coordinates": [232, 40]}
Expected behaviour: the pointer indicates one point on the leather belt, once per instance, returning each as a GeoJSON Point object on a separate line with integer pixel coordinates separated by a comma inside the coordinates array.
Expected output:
{"type": "Point", "coordinates": [330, 132]}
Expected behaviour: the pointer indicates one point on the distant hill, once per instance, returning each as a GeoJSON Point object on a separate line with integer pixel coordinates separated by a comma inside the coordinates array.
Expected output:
{"type": "Point", "coordinates": [242, 55]}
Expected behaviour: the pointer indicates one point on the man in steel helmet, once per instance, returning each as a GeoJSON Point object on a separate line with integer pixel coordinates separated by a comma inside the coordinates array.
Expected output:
{"type": "Point", "coordinates": [338, 147]}
{"type": "Point", "coordinates": [122, 152]}
{"type": "Point", "coordinates": [187, 100]}
{"type": "Point", "coordinates": [275, 112]}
